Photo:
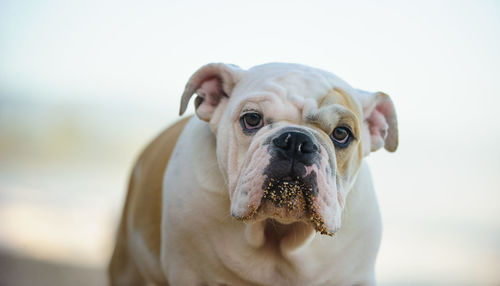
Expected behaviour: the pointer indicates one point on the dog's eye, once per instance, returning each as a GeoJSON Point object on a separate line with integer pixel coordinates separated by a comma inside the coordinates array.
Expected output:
{"type": "Point", "coordinates": [341, 136]}
{"type": "Point", "coordinates": [251, 121]}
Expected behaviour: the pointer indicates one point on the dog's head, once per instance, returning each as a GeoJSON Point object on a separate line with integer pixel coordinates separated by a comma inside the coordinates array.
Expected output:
{"type": "Point", "coordinates": [290, 138]}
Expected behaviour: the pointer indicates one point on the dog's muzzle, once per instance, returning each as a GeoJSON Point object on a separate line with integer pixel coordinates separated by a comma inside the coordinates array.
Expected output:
{"type": "Point", "coordinates": [287, 181]}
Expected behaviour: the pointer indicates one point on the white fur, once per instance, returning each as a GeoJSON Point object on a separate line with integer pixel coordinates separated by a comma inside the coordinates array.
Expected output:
{"type": "Point", "coordinates": [202, 244]}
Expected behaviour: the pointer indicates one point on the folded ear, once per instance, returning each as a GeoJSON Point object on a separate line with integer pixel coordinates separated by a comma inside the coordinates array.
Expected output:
{"type": "Point", "coordinates": [379, 121]}
{"type": "Point", "coordinates": [211, 83]}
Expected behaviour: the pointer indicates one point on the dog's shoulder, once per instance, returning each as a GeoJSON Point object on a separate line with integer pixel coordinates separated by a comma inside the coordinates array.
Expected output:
{"type": "Point", "coordinates": [157, 154]}
{"type": "Point", "coordinates": [146, 184]}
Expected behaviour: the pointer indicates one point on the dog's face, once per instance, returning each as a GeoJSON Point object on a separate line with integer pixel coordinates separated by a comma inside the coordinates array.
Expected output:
{"type": "Point", "coordinates": [290, 139]}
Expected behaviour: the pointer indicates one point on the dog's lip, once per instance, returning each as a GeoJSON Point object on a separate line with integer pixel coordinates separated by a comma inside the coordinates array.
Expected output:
{"type": "Point", "coordinates": [310, 214]}
{"type": "Point", "coordinates": [287, 194]}
{"type": "Point", "coordinates": [311, 217]}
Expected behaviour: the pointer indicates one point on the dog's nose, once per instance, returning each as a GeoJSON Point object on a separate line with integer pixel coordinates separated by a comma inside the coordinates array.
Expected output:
{"type": "Point", "coordinates": [295, 145]}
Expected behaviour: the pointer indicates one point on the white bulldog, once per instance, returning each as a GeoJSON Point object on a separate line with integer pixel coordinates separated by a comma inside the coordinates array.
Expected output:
{"type": "Point", "coordinates": [266, 186]}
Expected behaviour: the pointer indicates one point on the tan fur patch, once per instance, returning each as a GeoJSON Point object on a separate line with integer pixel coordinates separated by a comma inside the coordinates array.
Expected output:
{"type": "Point", "coordinates": [339, 96]}
{"type": "Point", "coordinates": [143, 203]}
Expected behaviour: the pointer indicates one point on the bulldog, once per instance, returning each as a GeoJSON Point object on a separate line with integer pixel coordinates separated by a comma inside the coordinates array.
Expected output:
{"type": "Point", "coordinates": [266, 185]}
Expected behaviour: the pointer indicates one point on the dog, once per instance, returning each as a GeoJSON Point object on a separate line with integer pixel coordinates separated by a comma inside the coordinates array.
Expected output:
{"type": "Point", "coordinates": [266, 185]}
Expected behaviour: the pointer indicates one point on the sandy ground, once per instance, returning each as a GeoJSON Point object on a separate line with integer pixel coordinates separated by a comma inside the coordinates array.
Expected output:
{"type": "Point", "coordinates": [18, 271]}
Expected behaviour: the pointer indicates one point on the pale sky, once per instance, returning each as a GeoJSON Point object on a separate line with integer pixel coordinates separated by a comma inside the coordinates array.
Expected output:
{"type": "Point", "coordinates": [435, 58]}
{"type": "Point", "coordinates": [438, 60]}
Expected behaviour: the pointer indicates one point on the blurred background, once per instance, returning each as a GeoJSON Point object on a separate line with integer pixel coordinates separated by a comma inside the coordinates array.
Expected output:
{"type": "Point", "coordinates": [84, 85]}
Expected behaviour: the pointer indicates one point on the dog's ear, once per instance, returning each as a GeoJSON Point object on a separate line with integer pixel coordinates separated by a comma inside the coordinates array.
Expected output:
{"type": "Point", "coordinates": [379, 121]}
{"type": "Point", "coordinates": [211, 83]}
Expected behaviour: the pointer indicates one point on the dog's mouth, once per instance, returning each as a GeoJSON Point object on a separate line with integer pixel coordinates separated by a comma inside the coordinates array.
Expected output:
{"type": "Point", "coordinates": [288, 200]}
{"type": "Point", "coordinates": [288, 193]}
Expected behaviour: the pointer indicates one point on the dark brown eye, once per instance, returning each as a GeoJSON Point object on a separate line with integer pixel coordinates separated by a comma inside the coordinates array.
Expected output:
{"type": "Point", "coordinates": [341, 136]}
{"type": "Point", "coordinates": [251, 121]}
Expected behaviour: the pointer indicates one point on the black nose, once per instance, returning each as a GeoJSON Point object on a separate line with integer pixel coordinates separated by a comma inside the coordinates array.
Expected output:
{"type": "Point", "coordinates": [295, 145]}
